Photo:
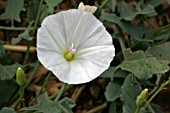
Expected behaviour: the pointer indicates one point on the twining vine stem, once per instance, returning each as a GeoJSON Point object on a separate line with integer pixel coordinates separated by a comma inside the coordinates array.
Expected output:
{"type": "Point", "coordinates": [163, 85]}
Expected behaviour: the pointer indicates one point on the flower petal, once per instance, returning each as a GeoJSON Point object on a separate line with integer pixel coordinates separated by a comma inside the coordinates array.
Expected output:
{"type": "Point", "coordinates": [53, 26]}
{"type": "Point", "coordinates": [84, 30]}
{"type": "Point", "coordinates": [88, 65]}
{"type": "Point", "coordinates": [44, 40]}
{"type": "Point", "coordinates": [72, 20]}
{"type": "Point", "coordinates": [100, 56]}
{"type": "Point", "coordinates": [71, 73]}
{"type": "Point", "coordinates": [49, 58]}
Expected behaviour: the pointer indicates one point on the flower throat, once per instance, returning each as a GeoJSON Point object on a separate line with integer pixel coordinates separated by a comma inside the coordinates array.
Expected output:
{"type": "Point", "coordinates": [69, 54]}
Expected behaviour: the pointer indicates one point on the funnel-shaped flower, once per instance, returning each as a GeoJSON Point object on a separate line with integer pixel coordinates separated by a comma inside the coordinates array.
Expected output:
{"type": "Point", "coordinates": [75, 46]}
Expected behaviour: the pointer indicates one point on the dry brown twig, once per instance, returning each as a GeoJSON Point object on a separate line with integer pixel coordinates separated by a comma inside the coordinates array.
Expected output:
{"type": "Point", "coordinates": [98, 108]}
{"type": "Point", "coordinates": [19, 48]}
{"type": "Point", "coordinates": [77, 93]}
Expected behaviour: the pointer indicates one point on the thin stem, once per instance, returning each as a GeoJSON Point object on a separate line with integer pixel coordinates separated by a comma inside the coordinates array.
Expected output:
{"type": "Point", "coordinates": [150, 109]}
{"type": "Point", "coordinates": [149, 22]}
{"type": "Point", "coordinates": [122, 44]}
{"type": "Point", "coordinates": [12, 23]}
{"type": "Point", "coordinates": [20, 98]}
{"type": "Point", "coordinates": [60, 92]}
{"type": "Point", "coordinates": [38, 17]}
{"type": "Point", "coordinates": [68, 87]}
{"type": "Point", "coordinates": [155, 94]}
{"type": "Point", "coordinates": [33, 32]}
{"type": "Point", "coordinates": [42, 88]}
{"type": "Point", "coordinates": [33, 73]}
{"type": "Point", "coordinates": [156, 85]}
{"type": "Point", "coordinates": [27, 53]}
{"type": "Point", "coordinates": [104, 3]}
{"type": "Point", "coordinates": [137, 109]}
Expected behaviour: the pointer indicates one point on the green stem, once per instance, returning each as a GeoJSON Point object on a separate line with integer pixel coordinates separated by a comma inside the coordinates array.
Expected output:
{"type": "Point", "coordinates": [12, 23]}
{"type": "Point", "coordinates": [33, 32]}
{"type": "Point", "coordinates": [68, 87]}
{"type": "Point", "coordinates": [33, 73]}
{"type": "Point", "coordinates": [60, 92]}
{"type": "Point", "coordinates": [122, 44]}
{"type": "Point", "coordinates": [163, 85]}
{"type": "Point", "coordinates": [38, 17]}
{"type": "Point", "coordinates": [149, 22]}
{"type": "Point", "coordinates": [20, 98]}
{"type": "Point", "coordinates": [27, 53]}
{"type": "Point", "coordinates": [138, 109]}
{"type": "Point", "coordinates": [42, 88]}
{"type": "Point", "coordinates": [158, 32]}
{"type": "Point", "coordinates": [104, 3]}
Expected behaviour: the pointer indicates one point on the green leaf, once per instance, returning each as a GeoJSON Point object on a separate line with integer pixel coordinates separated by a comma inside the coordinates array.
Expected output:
{"type": "Point", "coordinates": [51, 4]}
{"type": "Point", "coordinates": [66, 104]}
{"type": "Point", "coordinates": [68, 101]}
{"type": "Point", "coordinates": [127, 14]}
{"type": "Point", "coordinates": [47, 107]}
{"type": "Point", "coordinates": [144, 66]}
{"type": "Point", "coordinates": [5, 93]}
{"type": "Point", "coordinates": [32, 9]}
{"type": "Point", "coordinates": [136, 32]}
{"type": "Point", "coordinates": [160, 37]}
{"type": "Point", "coordinates": [120, 74]}
{"type": "Point", "coordinates": [25, 35]}
{"type": "Point", "coordinates": [7, 72]}
{"type": "Point", "coordinates": [113, 90]}
{"type": "Point", "coordinates": [130, 90]}
{"type": "Point", "coordinates": [160, 51]}
{"type": "Point", "coordinates": [13, 10]}
{"type": "Point", "coordinates": [108, 73]}
{"type": "Point", "coordinates": [154, 3]}
{"type": "Point", "coordinates": [7, 110]}
{"type": "Point", "coordinates": [149, 9]}
{"type": "Point", "coordinates": [43, 98]}
{"type": "Point", "coordinates": [168, 2]}
{"type": "Point", "coordinates": [15, 41]}
{"type": "Point", "coordinates": [4, 58]}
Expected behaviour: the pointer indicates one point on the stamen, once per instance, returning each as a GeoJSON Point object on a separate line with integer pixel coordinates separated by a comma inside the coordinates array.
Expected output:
{"type": "Point", "coordinates": [72, 50]}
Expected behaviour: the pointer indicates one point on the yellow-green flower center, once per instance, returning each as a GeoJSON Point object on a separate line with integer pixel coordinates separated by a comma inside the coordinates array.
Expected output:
{"type": "Point", "coordinates": [69, 54]}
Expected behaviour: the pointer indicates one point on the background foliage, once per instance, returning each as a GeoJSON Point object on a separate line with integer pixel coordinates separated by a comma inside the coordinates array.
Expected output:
{"type": "Point", "coordinates": [141, 36]}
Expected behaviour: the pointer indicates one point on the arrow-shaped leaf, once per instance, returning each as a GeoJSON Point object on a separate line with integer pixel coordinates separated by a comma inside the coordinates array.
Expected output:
{"type": "Point", "coordinates": [13, 10]}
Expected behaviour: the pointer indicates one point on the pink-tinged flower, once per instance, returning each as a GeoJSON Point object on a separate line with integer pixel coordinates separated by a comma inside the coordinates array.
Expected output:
{"type": "Point", "coordinates": [75, 46]}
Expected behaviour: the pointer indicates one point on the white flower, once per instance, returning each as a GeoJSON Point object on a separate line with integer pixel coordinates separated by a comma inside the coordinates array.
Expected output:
{"type": "Point", "coordinates": [75, 46]}
{"type": "Point", "coordinates": [87, 8]}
